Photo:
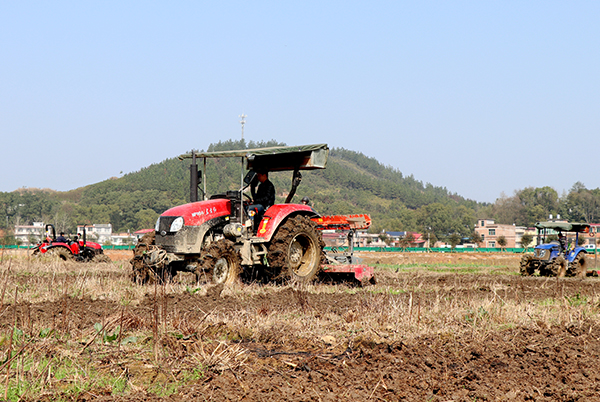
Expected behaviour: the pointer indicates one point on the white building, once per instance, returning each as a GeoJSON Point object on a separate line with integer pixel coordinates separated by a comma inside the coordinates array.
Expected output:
{"type": "Point", "coordinates": [122, 239]}
{"type": "Point", "coordinates": [29, 234]}
{"type": "Point", "coordinates": [98, 232]}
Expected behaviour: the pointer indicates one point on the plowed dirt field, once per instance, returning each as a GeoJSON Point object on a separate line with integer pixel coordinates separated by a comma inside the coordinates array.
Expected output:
{"type": "Point", "coordinates": [435, 327]}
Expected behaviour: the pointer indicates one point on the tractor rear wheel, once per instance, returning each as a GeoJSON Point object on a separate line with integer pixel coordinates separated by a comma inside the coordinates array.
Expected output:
{"type": "Point", "coordinates": [579, 266]}
{"type": "Point", "coordinates": [527, 268]}
{"type": "Point", "coordinates": [60, 252]}
{"type": "Point", "coordinates": [222, 261]}
{"type": "Point", "coordinates": [296, 249]}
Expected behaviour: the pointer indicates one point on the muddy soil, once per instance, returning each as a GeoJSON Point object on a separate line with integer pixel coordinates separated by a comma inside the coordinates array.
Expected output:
{"type": "Point", "coordinates": [540, 362]}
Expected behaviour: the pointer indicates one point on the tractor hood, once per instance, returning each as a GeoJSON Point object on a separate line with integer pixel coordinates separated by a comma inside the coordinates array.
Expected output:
{"type": "Point", "coordinates": [547, 246]}
{"type": "Point", "coordinates": [196, 213]}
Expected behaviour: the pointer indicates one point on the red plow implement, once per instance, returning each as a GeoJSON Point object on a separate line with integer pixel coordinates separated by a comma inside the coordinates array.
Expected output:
{"type": "Point", "coordinates": [345, 263]}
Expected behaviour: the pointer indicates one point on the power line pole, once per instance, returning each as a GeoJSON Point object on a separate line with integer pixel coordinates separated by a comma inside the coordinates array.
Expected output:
{"type": "Point", "coordinates": [242, 122]}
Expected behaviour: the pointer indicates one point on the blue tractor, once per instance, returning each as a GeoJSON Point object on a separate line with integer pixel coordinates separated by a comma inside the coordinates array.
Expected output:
{"type": "Point", "coordinates": [561, 256]}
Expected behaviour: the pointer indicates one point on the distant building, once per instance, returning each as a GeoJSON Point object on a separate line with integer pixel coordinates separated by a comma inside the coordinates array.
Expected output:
{"type": "Point", "coordinates": [29, 234]}
{"type": "Point", "coordinates": [364, 239]}
{"type": "Point", "coordinates": [490, 232]}
{"type": "Point", "coordinates": [396, 237]}
{"type": "Point", "coordinates": [122, 239]}
{"type": "Point", "coordinates": [140, 233]}
{"type": "Point", "coordinates": [98, 232]}
{"type": "Point", "coordinates": [333, 238]}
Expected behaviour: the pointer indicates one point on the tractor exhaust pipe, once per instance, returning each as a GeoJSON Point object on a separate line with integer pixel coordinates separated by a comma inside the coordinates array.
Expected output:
{"type": "Point", "coordinates": [195, 180]}
{"type": "Point", "coordinates": [84, 235]}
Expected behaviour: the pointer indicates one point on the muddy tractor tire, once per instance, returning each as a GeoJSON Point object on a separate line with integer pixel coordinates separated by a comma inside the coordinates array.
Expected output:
{"type": "Point", "coordinates": [578, 267]}
{"type": "Point", "coordinates": [526, 266]}
{"type": "Point", "coordinates": [222, 262]}
{"type": "Point", "coordinates": [296, 249]}
{"type": "Point", "coordinates": [140, 272]}
{"type": "Point", "coordinates": [559, 266]}
{"type": "Point", "coordinates": [60, 252]}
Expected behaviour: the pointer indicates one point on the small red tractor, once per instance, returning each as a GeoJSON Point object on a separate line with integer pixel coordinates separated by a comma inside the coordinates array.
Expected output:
{"type": "Point", "coordinates": [77, 249]}
{"type": "Point", "coordinates": [216, 239]}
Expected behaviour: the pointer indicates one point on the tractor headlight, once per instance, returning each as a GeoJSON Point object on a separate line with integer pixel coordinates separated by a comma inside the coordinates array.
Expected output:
{"type": "Point", "coordinates": [176, 225]}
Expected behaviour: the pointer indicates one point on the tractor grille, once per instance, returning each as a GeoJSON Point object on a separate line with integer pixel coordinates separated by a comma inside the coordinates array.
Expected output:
{"type": "Point", "coordinates": [542, 254]}
{"type": "Point", "coordinates": [185, 241]}
{"type": "Point", "coordinates": [164, 223]}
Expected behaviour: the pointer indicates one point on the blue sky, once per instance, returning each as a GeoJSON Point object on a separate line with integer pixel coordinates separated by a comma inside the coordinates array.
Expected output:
{"type": "Point", "coordinates": [469, 95]}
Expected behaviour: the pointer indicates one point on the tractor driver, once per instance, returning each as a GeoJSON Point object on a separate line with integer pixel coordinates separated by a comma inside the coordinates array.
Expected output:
{"type": "Point", "coordinates": [562, 241]}
{"type": "Point", "coordinates": [61, 238]}
{"type": "Point", "coordinates": [262, 198]}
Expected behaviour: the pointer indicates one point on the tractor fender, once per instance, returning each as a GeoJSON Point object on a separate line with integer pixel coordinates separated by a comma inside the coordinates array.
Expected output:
{"type": "Point", "coordinates": [574, 253]}
{"type": "Point", "coordinates": [276, 214]}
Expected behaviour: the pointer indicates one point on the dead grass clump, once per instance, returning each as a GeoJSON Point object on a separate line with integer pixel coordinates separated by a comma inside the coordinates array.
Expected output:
{"type": "Point", "coordinates": [263, 310]}
{"type": "Point", "coordinates": [72, 326]}
{"type": "Point", "coordinates": [220, 357]}
{"type": "Point", "coordinates": [185, 325]}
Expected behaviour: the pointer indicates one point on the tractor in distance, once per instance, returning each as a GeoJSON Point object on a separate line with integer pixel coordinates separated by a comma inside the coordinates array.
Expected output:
{"type": "Point", "coordinates": [560, 257]}
{"type": "Point", "coordinates": [216, 239]}
{"type": "Point", "coordinates": [77, 249]}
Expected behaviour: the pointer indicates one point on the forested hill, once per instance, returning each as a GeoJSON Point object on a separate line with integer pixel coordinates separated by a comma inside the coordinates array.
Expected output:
{"type": "Point", "coordinates": [351, 183]}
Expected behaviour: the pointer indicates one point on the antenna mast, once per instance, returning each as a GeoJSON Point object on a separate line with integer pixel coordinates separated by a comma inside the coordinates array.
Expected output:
{"type": "Point", "coordinates": [242, 122]}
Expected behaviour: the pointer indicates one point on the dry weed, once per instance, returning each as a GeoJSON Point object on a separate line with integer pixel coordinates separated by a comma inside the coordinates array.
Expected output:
{"type": "Point", "coordinates": [217, 325]}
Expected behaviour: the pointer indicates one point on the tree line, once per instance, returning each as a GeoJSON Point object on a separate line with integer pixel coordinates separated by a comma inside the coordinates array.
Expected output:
{"type": "Point", "coordinates": [531, 205]}
{"type": "Point", "coordinates": [351, 183]}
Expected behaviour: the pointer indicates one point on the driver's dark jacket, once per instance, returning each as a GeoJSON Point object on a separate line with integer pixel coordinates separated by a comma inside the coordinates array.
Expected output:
{"type": "Point", "coordinates": [265, 195]}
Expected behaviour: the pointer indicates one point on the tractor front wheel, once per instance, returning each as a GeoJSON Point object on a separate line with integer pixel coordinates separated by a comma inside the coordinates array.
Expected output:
{"type": "Point", "coordinates": [527, 268]}
{"type": "Point", "coordinates": [296, 247]}
{"type": "Point", "coordinates": [222, 260]}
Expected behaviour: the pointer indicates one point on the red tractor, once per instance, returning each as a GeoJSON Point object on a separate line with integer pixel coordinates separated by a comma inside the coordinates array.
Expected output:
{"type": "Point", "coordinates": [77, 249]}
{"type": "Point", "coordinates": [216, 237]}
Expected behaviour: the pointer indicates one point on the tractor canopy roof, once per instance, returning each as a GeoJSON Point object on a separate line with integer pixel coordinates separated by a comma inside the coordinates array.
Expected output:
{"type": "Point", "coordinates": [271, 159]}
{"type": "Point", "coordinates": [565, 226]}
